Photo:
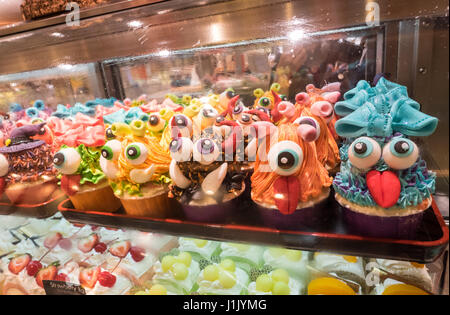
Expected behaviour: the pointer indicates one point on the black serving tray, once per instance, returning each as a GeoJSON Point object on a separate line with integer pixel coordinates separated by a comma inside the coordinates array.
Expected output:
{"type": "Point", "coordinates": [244, 226]}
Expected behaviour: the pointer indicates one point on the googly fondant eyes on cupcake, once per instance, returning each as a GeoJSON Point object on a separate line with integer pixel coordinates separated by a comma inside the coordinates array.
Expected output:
{"type": "Point", "coordinates": [308, 128]}
{"type": "Point", "coordinates": [264, 102]}
{"type": "Point", "coordinates": [4, 165]}
{"type": "Point", "coordinates": [155, 123]}
{"type": "Point", "coordinates": [67, 160]}
{"type": "Point", "coordinates": [136, 153]}
{"type": "Point", "coordinates": [364, 152]}
{"type": "Point", "coordinates": [181, 149]}
{"type": "Point", "coordinates": [181, 126]}
{"type": "Point", "coordinates": [285, 158]}
{"type": "Point", "coordinates": [239, 108]}
{"type": "Point", "coordinates": [205, 151]}
{"type": "Point", "coordinates": [111, 150]}
{"type": "Point", "coordinates": [400, 153]}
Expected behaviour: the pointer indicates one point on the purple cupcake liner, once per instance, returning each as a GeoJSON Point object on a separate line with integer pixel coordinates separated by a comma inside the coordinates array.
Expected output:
{"type": "Point", "coordinates": [218, 213]}
{"type": "Point", "coordinates": [317, 217]}
{"type": "Point", "coordinates": [398, 227]}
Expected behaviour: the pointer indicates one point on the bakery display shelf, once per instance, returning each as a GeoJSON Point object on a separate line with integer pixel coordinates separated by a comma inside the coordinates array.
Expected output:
{"type": "Point", "coordinates": [40, 211]}
{"type": "Point", "coordinates": [431, 241]}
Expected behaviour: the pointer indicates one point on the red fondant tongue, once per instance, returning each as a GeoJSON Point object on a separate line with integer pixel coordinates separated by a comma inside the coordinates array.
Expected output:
{"type": "Point", "coordinates": [384, 187]}
{"type": "Point", "coordinates": [70, 184]}
{"type": "Point", "coordinates": [286, 193]}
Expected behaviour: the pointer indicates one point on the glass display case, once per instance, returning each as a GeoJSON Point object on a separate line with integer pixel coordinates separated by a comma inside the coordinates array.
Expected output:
{"type": "Point", "coordinates": [225, 147]}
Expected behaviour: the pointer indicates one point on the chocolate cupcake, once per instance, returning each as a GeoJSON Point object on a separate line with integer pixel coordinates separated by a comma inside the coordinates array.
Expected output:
{"type": "Point", "coordinates": [26, 167]}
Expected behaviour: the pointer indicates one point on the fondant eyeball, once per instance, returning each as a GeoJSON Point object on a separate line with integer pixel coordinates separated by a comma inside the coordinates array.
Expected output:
{"type": "Point", "coordinates": [308, 128]}
{"type": "Point", "coordinates": [111, 150]}
{"type": "Point", "coordinates": [285, 158]}
{"type": "Point", "coordinates": [181, 126]}
{"type": "Point", "coordinates": [4, 165]}
{"type": "Point", "coordinates": [155, 123]}
{"type": "Point", "coordinates": [364, 152]}
{"type": "Point", "coordinates": [67, 160]}
{"type": "Point", "coordinates": [181, 149]}
{"type": "Point", "coordinates": [205, 151]}
{"type": "Point", "coordinates": [264, 102]}
{"type": "Point", "coordinates": [136, 153]}
{"type": "Point", "coordinates": [400, 153]}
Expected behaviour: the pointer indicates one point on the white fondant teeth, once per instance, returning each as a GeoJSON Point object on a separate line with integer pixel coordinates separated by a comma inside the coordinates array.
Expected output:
{"type": "Point", "coordinates": [141, 176]}
{"type": "Point", "coordinates": [214, 180]}
{"type": "Point", "coordinates": [177, 176]}
{"type": "Point", "coordinates": [109, 168]}
{"type": "Point", "coordinates": [4, 165]}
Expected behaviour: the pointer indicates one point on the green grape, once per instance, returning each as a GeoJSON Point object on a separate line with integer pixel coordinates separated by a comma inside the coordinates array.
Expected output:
{"type": "Point", "coordinates": [185, 258]}
{"type": "Point", "coordinates": [158, 289]}
{"type": "Point", "coordinates": [293, 255]}
{"type": "Point", "coordinates": [227, 279]}
{"type": "Point", "coordinates": [211, 273]}
{"type": "Point", "coordinates": [228, 264]}
{"type": "Point", "coordinates": [167, 262]}
{"type": "Point", "coordinates": [200, 243]}
{"type": "Point", "coordinates": [180, 271]}
{"type": "Point", "coordinates": [280, 275]}
{"type": "Point", "coordinates": [264, 283]}
{"type": "Point", "coordinates": [281, 288]}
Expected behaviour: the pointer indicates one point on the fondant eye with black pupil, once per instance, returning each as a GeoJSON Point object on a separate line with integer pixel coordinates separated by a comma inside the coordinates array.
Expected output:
{"type": "Point", "coordinates": [58, 159]}
{"type": "Point", "coordinates": [175, 145]}
{"type": "Point", "coordinates": [107, 153]}
{"type": "Point", "coordinates": [308, 121]}
{"type": "Point", "coordinates": [401, 147]}
{"type": "Point", "coordinates": [360, 147]}
{"type": "Point", "coordinates": [284, 98]}
{"type": "Point", "coordinates": [180, 121]}
{"type": "Point", "coordinates": [41, 131]}
{"type": "Point", "coordinates": [245, 118]}
{"type": "Point", "coordinates": [206, 146]}
{"type": "Point", "coordinates": [109, 134]}
{"type": "Point", "coordinates": [286, 160]}
{"type": "Point", "coordinates": [136, 153]}
{"type": "Point", "coordinates": [230, 94]}
{"type": "Point", "coordinates": [238, 109]}
{"type": "Point", "coordinates": [264, 101]}
{"type": "Point", "coordinates": [153, 120]}
{"type": "Point", "coordinates": [219, 119]}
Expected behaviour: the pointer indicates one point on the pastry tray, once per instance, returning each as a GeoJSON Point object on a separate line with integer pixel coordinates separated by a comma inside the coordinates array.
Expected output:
{"type": "Point", "coordinates": [40, 211]}
{"type": "Point", "coordinates": [431, 241]}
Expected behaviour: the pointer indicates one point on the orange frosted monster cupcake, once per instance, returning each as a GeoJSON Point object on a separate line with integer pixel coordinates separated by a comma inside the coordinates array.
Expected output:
{"type": "Point", "coordinates": [137, 167]}
{"type": "Point", "coordinates": [289, 184]}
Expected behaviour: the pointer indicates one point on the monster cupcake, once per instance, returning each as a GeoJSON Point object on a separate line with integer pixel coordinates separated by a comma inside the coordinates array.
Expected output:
{"type": "Point", "coordinates": [27, 175]}
{"type": "Point", "coordinates": [224, 278]}
{"type": "Point", "coordinates": [137, 167]}
{"type": "Point", "coordinates": [206, 182]}
{"type": "Point", "coordinates": [384, 185]}
{"type": "Point", "coordinates": [289, 184]}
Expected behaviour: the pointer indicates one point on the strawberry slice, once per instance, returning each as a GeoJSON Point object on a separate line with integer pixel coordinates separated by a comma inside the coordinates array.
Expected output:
{"type": "Point", "coordinates": [62, 277]}
{"type": "Point", "coordinates": [120, 249]}
{"type": "Point", "coordinates": [88, 277]}
{"type": "Point", "coordinates": [70, 184]}
{"type": "Point", "coordinates": [48, 273]}
{"type": "Point", "coordinates": [52, 239]}
{"type": "Point", "coordinates": [19, 263]}
{"type": "Point", "coordinates": [88, 243]}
